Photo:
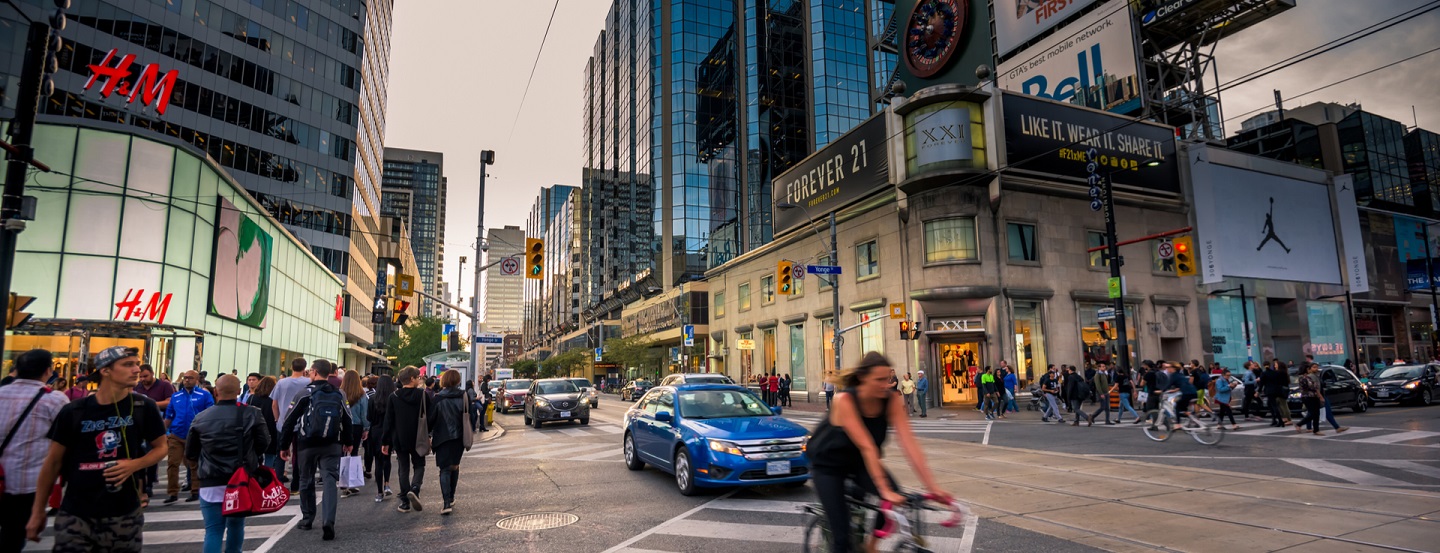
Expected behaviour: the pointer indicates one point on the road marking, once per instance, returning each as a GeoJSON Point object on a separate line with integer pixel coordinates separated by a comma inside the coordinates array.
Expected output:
{"type": "Point", "coordinates": [1411, 466]}
{"type": "Point", "coordinates": [1401, 437]}
{"type": "Point", "coordinates": [187, 515]}
{"type": "Point", "coordinates": [666, 524]}
{"type": "Point", "coordinates": [764, 505]}
{"type": "Point", "coordinates": [530, 449]}
{"type": "Point", "coordinates": [1332, 435]}
{"type": "Point", "coordinates": [710, 529]}
{"type": "Point", "coordinates": [1343, 472]}
{"type": "Point", "coordinates": [576, 432]}
{"type": "Point", "coordinates": [599, 456]}
{"type": "Point", "coordinates": [609, 428]}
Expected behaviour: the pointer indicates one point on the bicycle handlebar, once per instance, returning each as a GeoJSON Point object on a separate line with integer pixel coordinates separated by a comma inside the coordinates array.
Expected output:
{"type": "Point", "coordinates": [894, 519]}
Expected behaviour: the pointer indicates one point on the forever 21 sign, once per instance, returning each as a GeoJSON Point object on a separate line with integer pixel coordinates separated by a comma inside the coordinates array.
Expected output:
{"type": "Point", "coordinates": [850, 168]}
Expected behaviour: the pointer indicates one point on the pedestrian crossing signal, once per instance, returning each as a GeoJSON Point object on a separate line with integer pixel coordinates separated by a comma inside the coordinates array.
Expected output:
{"type": "Point", "coordinates": [534, 258]}
{"type": "Point", "coordinates": [784, 270]}
{"type": "Point", "coordinates": [1184, 256]}
{"type": "Point", "coordinates": [909, 330]}
{"type": "Point", "coordinates": [15, 315]}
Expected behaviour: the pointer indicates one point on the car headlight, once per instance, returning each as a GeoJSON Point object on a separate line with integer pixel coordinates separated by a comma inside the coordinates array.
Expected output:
{"type": "Point", "coordinates": [1411, 385]}
{"type": "Point", "coordinates": [542, 403]}
{"type": "Point", "coordinates": [725, 447]}
{"type": "Point", "coordinates": [1294, 395]}
{"type": "Point", "coordinates": [805, 443]}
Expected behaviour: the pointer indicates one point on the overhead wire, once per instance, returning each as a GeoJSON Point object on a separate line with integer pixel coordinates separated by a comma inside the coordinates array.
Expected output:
{"type": "Point", "coordinates": [555, 7]}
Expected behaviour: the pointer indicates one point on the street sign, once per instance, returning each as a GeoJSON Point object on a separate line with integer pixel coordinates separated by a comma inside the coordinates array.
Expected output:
{"type": "Point", "coordinates": [405, 285]}
{"type": "Point", "coordinates": [823, 269]}
{"type": "Point", "coordinates": [598, 353]}
{"type": "Point", "coordinates": [744, 344]}
{"type": "Point", "coordinates": [1096, 205]}
{"type": "Point", "coordinates": [489, 338]}
{"type": "Point", "coordinates": [1115, 288]}
{"type": "Point", "coordinates": [689, 332]}
{"type": "Point", "coordinates": [510, 266]}
{"type": "Point", "coordinates": [1166, 250]}
{"type": "Point", "coordinates": [1105, 313]}
{"type": "Point", "coordinates": [798, 272]}
{"type": "Point", "coordinates": [897, 310]}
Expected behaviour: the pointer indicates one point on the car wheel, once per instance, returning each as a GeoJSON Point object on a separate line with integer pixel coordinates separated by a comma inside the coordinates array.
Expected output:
{"type": "Point", "coordinates": [632, 457]}
{"type": "Point", "coordinates": [537, 424]}
{"type": "Point", "coordinates": [527, 419]}
{"type": "Point", "coordinates": [1426, 398]}
{"type": "Point", "coordinates": [1361, 405]}
{"type": "Point", "coordinates": [585, 420]}
{"type": "Point", "coordinates": [684, 473]}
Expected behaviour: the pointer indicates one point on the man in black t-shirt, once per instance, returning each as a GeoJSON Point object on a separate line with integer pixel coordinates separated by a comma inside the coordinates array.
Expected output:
{"type": "Point", "coordinates": [97, 444]}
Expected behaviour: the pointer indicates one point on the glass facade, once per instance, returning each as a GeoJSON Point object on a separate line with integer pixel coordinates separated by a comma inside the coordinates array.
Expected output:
{"type": "Point", "coordinates": [1227, 331]}
{"type": "Point", "coordinates": [841, 80]}
{"type": "Point", "coordinates": [1327, 332]}
{"type": "Point", "coordinates": [1020, 241]}
{"type": "Point", "coordinates": [413, 189]}
{"type": "Point", "coordinates": [1029, 338]}
{"type": "Point", "coordinates": [797, 358]}
{"type": "Point", "coordinates": [1373, 149]}
{"type": "Point", "coordinates": [1100, 341]}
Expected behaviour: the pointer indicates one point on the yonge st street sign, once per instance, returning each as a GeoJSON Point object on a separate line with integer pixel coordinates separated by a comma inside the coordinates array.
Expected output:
{"type": "Point", "coordinates": [150, 87]}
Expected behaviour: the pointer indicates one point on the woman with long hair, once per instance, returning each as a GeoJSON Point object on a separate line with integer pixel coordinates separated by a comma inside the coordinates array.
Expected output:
{"type": "Point", "coordinates": [448, 435]}
{"type": "Point", "coordinates": [260, 399]}
{"type": "Point", "coordinates": [358, 403]}
{"type": "Point", "coordinates": [375, 416]}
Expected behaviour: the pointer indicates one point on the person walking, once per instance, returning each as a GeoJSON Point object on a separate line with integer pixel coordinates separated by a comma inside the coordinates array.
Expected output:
{"type": "Point", "coordinates": [377, 413]}
{"type": "Point", "coordinates": [785, 390]}
{"type": "Point", "coordinates": [261, 398]}
{"type": "Point", "coordinates": [907, 390]}
{"type": "Point", "coordinates": [922, 393]}
{"type": "Point", "coordinates": [319, 425]}
{"type": "Point", "coordinates": [1125, 386]}
{"type": "Point", "coordinates": [27, 409]}
{"type": "Point", "coordinates": [407, 410]}
{"type": "Point", "coordinates": [1076, 390]}
{"type": "Point", "coordinates": [188, 401]}
{"type": "Point", "coordinates": [830, 392]}
{"type": "Point", "coordinates": [77, 390]}
{"type": "Point", "coordinates": [1050, 387]}
{"type": "Point", "coordinates": [286, 389]}
{"type": "Point", "coordinates": [1250, 377]}
{"type": "Point", "coordinates": [359, 404]}
{"type": "Point", "coordinates": [1221, 388]}
{"type": "Point", "coordinates": [96, 444]}
{"type": "Point", "coordinates": [1310, 396]}
{"type": "Point", "coordinates": [222, 439]}
{"type": "Point", "coordinates": [1275, 382]}
{"type": "Point", "coordinates": [160, 391]}
{"type": "Point", "coordinates": [1104, 386]}
{"type": "Point", "coordinates": [1330, 412]}
{"type": "Point", "coordinates": [1008, 385]}
{"type": "Point", "coordinates": [472, 407]}
{"type": "Point", "coordinates": [449, 435]}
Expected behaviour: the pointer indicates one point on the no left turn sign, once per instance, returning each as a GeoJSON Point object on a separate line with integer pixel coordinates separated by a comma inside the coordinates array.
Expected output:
{"type": "Point", "coordinates": [1166, 250]}
{"type": "Point", "coordinates": [510, 266]}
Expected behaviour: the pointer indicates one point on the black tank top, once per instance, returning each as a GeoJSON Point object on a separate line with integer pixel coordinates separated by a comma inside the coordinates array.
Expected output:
{"type": "Point", "coordinates": [832, 447]}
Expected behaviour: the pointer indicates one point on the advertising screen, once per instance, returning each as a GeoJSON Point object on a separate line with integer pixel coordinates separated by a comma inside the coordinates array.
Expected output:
{"type": "Point", "coordinates": [1091, 63]}
{"type": "Point", "coordinates": [1018, 21]}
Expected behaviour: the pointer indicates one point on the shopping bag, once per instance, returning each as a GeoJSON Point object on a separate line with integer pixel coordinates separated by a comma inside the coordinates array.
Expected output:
{"type": "Point", "coordinates": [255, 491]}
{"type": "Point", "coordinates": [352, 472]}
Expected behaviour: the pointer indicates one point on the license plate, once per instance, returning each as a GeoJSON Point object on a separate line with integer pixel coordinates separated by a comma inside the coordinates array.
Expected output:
{"type": "Point", "coordinates": [1382, 393]}
{"type": "Point", "coordinates": [776, 468]}
{"type": "Point", "coordinates": [564, 414]}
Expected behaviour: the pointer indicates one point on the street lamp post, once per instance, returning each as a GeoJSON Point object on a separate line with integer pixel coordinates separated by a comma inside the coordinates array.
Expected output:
{"type": "Point", "coordinates": [835, 339]}
{"type": "Point", "coordinates": [487, 157]}
{"type": "Point", "coordinates": [1244, 313]}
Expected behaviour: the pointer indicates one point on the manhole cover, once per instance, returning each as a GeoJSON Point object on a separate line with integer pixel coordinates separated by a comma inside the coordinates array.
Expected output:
{"type": "Point", "coordinates": [537, 521]}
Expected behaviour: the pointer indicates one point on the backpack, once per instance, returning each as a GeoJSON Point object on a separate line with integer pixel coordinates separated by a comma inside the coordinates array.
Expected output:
{"type": "Point", "coordinates": [321, 422]}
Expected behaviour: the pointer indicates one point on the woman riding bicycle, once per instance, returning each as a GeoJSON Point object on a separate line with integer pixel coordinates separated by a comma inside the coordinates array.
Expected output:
{"type": "Point", "coordinates": [850, 442]}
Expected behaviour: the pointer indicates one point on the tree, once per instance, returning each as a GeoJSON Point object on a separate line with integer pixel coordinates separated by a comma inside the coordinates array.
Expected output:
{"type": "Point", "coordinates": [637, 351]}
{"type": "Point", "coordinates": [421, 337]}
{"type": "Point", "coordinates": [564, 364]}
{"type": "Point", "coordinates": [525, 368]}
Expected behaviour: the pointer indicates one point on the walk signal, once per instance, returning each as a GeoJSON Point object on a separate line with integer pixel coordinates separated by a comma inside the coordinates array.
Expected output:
{"type": "Point", "coordinates": [1184, 256]}
{"type": "Point", "coordinates": [15, 315]}
{"type": "Point", "coordinates": [909, 330]}
{"type": "Point", "coordinates": [534, 258]}
{"type": "Point", "coordinates": [787, 279]}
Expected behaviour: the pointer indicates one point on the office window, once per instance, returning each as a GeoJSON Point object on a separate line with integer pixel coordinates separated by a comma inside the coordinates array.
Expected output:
{"type": "Point", "coordinates": [867, 260]}
{"type": "Point", "coordinates": [826, 281]}
{"type": "Point", "coordinates": [1020, 238]}
{"type": "Point", "coordinates": [719, 304]}
{"type": "Point", "coordinates": [872, 334]}
{"type": "Point", "coordinates": [745, 296]}
{"type": "Point", "coordinates": [767, 289]}
{"type": "Point", "coordinates": [951, 239]}
{"type": "Point", "coordinates": [1095, 239]}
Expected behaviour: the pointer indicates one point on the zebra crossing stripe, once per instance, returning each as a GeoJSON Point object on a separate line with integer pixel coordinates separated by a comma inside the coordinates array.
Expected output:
{"type": "Point", "coordinates": [1411, 466]}
{"type": "Point", "coordinates": [599, 456]}
{"type": "Point", "coordinates": [1399, 437]}
{"type": "Point", "coordinates": [1345, 473]}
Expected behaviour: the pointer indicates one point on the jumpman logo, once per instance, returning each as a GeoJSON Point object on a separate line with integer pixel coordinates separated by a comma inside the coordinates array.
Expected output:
{"type": "Point", "coordinates": [1269, 229]}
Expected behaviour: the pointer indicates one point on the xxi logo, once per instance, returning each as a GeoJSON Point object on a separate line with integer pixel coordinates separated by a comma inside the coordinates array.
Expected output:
{"type": "Point", "coordinates": [153, 89]}
{"type": "Point", "coordinates": [941, 134]}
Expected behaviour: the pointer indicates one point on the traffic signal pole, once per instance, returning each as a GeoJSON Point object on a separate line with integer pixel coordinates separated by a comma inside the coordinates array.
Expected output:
{"type": "Point", "coordinates": [487, 157]}
{"type": "Point", "coordinates": [22, 131]}
{"type": "Point", "coordinates": [1115, 261]}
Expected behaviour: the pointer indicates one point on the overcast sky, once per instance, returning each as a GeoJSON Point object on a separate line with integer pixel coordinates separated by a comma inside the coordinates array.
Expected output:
{"type": "Point", "coordinates": [458, 70]}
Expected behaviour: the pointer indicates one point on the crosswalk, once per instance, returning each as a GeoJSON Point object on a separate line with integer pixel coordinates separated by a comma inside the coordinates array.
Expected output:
{"type": "Point", "coordinates": [179, 527]}
{"type": "Point", "coordinates": [598, 441]}
{"type": "Point", "coordinates": [1355, 434]}
{"type": "Point", "coordinates": [1375, 472]}
{"type": "Point", "coordinates": [749, 521]}
{"type": "Point", "coordinates": [966, 430]}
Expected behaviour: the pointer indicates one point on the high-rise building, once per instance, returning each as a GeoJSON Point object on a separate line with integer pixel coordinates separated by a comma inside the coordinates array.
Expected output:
{"type": "Point", "coordinates": [504, 294]}
{"type": "Point", "coordinates": [414, 190]}
{"type": "Point", "coordinates": [287, 95]}
{"type": "Point", "coordinates": [549, 202]}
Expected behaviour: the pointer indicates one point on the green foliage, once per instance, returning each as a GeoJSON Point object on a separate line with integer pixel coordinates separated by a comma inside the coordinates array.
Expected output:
{"type": "Point", "coordinates": [570, 363]}
{"type": "Point", "coordinates": [525, 368]}
{"type": "Point", "coordinates": [418, 338]}
{"type": "Point", "coordinates": [635, 351]}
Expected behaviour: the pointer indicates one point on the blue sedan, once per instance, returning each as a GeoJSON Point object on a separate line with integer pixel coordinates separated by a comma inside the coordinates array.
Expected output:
{"type": "Point", "coordinates": [714, 435]}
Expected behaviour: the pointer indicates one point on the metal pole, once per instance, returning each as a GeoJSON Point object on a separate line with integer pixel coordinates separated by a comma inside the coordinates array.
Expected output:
{"type": "Point", "coordinates": [1245, 317]}
{"type": "Point", "coordinates": [1429, 273]}
{"type": "Point", "coordinates": [21, 133]}
{"type": "Point", "coordinates": [835, 293]}
{"type": "Point", "coordinates": [475, 291]}
{"type": "Point", "coordinates": [1115, 262]}
{"type": "Point", "coordinates": [1350, 314]}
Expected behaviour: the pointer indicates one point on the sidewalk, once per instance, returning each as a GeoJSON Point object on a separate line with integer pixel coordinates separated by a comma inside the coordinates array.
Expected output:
{"type": "Point", "coordinates": [952, 412]}
{"type": "Point", "coordinates": [1123, 505]}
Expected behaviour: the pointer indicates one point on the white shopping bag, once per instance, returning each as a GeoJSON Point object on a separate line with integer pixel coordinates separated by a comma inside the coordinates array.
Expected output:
{"type": "Point", "coordinates": [352, 472]}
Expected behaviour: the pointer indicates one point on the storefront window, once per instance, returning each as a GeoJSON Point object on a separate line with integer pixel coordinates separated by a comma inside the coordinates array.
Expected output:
{"type": "Point", "coordinates": [768, 340]}
{"type": "Point", "coordinates": [1099, 338]}
{"type": "Point", "coordinates": [951, 240]}
{"type": "Point", "coordinates": [1227, 331]}
{"type": "Point", "coordinates": [827, 337]}
{"type": "Point", "coordinates": [1029, 339]}
{"type": "Point", "coordinates": [958, 364]}
{"type": "Point", "coordinates": [797, 357]}
{"type": "Point", "coordinates": [1327, 331]}
{"type": "Point", "coordinates": [872, 334]}
{"type": "Point", "coordinates": [747, 360]}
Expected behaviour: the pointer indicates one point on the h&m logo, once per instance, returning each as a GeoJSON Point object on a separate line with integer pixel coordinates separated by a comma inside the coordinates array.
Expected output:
{"type": "Point", "coordinates": [153, 89]}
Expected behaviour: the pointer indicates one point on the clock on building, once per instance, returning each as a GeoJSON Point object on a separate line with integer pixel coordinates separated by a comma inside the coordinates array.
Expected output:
{"type": "Point", "coordinates": [932, 34]}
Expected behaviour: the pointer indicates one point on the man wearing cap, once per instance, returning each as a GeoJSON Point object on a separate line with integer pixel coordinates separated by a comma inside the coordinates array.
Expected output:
{"type": "Point", "coordinates": [96, 443]}
{"type": "Point", "coordinates": [187, 402]}
{"type": "Point", "coordinates": [27, 408]}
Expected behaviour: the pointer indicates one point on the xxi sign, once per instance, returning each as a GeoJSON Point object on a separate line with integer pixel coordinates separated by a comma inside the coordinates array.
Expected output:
{"type": "Point", "coordinates": [152, 88]}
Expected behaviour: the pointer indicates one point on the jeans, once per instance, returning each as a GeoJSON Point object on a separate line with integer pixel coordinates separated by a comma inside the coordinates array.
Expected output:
{"type": "Point", "coordinates": [1104, 408]}
{"type": "Point", "coordinates": [410, 460]}
{"type": "Point", "coordinates": [14, 515]}
{"type": "Point", "coordinates": [1125, 406]}
{"type": "Point", "coordinates": [1251, 405]}
{"type": "Point", "coordinates": [909, 403]}
{"type": "Point", "coordinates": [1054, 408]}
{"type": "Point", "coordinates": [1330, 414]}
{"type": "Point", "coordinates": [326, 459]}
{"type": "Point", "coordinates": [1076, 406]}
{"type": "Point", "coordinates": [219, 528]}
{"type": "Point", "coordinates": [1312, 414]}
{"type": "Point", "coordinates": [275, 462]}
{"type": "Point", "coordinates": [829, 394]}
{"type": "Point", "coordinates": [1010, 402]}
{"type": "Point", "coordinates": [922, 398]}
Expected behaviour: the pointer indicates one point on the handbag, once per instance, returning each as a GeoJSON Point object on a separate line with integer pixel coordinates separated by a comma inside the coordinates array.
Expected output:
{"type": "Point", "coordinates": [422, 432]}
{"type": "Point", "coordinates": [253, 489]}
{"type": "Point", "coordinates": [16, 428]}
{"type": "Point", "coordinates": [1141, 396]}
{"type": "Point", "coordinates": [352, 472]}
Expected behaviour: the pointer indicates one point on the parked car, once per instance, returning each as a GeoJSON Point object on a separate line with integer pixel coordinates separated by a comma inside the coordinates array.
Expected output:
{"type": "Point", "coordinates": [636, 388]}
{"type": "Point", "coordinates": [714, 435]}
{"type": "Point", "coordinates": [592, 396]}
{"type": "Point", "coordinates": [1405, 384]}
{"type": "Point", "coordinates": [555, 399]}
{"type": "Point", "coordinates": [1340, 386]}
{"type": "Point", "coordinates": [695, 378]}
{"type": "Point", "coordinates": [512, 394]}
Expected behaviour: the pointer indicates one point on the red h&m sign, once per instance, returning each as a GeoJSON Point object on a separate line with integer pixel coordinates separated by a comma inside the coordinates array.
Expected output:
{"type": "Point", "coordinates": [153, 89]}
{"type": "Point", "coordinates": [130, 309]}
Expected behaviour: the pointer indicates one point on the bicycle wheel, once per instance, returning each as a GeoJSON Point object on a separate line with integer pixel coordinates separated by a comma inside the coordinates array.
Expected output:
{"type": "Point", "coordinates": [817, 534]}
{"type": "Point", "coordinates": [1156, 427]}
{"type": "Point", "coordinates": [1207, 434]}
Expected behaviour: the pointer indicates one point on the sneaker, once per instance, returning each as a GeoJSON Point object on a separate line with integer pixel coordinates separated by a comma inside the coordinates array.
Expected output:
{"type": "Point", "coordinates": [327, 533]}
{"type": "Point", "coordinates": [193, 498]}
{"type": "Point", "coordinates": [346, 492]}
{"type": "Point", "coordinates": [404, 507]}
{"type": "Point", "coordinates": [379, 497]}
{"type": "Point", "coordinates": [388, 493]}
{"type": "Point", "coordinates": [415, 501]}
{"type": "Point", "coordinates": [1341, 429]}
{"type": "Point", "coordinates": [171, 499]}
{"type": "Point", "coordinates": [305, 525]}
{"type": "Point", "coordinates": [445, 510]}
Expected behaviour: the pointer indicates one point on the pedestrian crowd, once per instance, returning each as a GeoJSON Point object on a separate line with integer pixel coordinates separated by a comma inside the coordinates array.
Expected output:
{"type": "Point", "coordinates": [82, 454]}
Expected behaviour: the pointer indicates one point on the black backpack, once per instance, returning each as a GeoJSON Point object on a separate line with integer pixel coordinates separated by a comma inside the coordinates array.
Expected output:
{"type": "Point", "coordinates": [321, 422]}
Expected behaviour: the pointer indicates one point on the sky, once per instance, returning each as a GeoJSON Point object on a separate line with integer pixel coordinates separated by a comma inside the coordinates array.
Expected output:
{"type": "Point", "coordinates": [458, 71]}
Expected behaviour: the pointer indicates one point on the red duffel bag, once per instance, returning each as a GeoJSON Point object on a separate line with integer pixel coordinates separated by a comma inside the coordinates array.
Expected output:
{"type": "Point", "coordinates": [254, 491]}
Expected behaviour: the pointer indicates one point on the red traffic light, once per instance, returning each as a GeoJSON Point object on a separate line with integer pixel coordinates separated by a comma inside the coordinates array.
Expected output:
{"type": "Point", "coordinates": [1182, 247]}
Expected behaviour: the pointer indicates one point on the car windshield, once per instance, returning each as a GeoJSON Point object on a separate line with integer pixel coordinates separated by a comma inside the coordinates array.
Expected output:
{"type": "Point", "coordinates": [581, 383]}
{"type": "Point", "coordinates": [719, 404]}
{"type": "Point", "coordinates": [1410, 372]}
{"type": "Point", "coordinates": [642, 383]}
{"type": "Point", "coordinates": [558, 387]}
{"type": "Point", "coordinates": [709, 379]}
{"type": "Point", "coordinates": [517, 384]}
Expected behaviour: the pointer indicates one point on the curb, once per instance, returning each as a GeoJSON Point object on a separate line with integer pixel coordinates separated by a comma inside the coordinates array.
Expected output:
{"type": "Point", "coordinates": [492, 435]}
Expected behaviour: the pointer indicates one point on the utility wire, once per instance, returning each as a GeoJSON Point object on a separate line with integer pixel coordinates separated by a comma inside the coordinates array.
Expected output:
{"type": "Point", "coordinates": [534, 65]}
{"type": "Point", "coordinates": [1347, 79]}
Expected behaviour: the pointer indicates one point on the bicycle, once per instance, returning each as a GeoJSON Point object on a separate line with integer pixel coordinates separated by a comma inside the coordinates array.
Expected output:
{"type": "Point", "coordinates": [1158, 424]}
{"type": "Point", "coordinates": [904, 523]}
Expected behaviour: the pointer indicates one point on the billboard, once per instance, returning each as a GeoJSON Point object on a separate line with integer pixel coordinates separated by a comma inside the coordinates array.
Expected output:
{"type": "Point", "coordinates": [1260, 225]}
{"type": "Point", "coordinates": [1096, 66]}
{"type": "Point", "coordinates": [850, 168]}
{"type": "Point", "coordinates": [1018, 21]}
{"type": "Point", "coordinates": [240, 272]}
{"type": "Point", "coordinates": [1050, 139]}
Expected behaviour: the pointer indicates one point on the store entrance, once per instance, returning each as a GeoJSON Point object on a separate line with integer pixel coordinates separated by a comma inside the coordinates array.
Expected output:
{"type": "Point", "coordinates": [957, 365]}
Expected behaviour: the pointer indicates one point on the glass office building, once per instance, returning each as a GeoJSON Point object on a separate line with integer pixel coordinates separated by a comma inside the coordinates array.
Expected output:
{"type": "Point", "coordinates": [413, 190]}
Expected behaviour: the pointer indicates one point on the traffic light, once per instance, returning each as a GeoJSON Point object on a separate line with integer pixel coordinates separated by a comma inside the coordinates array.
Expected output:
{"type": "Point", "coordinates": [454, 341]}
{"type": "Point", "coordinates": [787, 278]}
{"type": "Point", "coordinates": [534, 258]}
{"type": "Point", "coordinates": [15, 315]}
{"type": "Point", "coordinates": [1184, 256]}
{"type": "Point", "coordinates": [909, 330]}
{"type": "Point", "coordinates": [398, 316]}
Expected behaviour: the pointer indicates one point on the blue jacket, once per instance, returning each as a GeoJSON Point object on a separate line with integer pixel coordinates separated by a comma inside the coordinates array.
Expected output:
{"type": "Point", "coordinates": [184, 405]}
{"type": "Point", "coordinates": [922, 385]}
{"type": "Point", "coordinates": [1010, 382]}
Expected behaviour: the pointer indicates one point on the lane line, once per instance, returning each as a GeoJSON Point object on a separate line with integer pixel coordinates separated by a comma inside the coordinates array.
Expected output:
{"type": "Point", "coordinates": [1411, 466]}
{"type": "Point", "coordinates": [1401, 437]}
{"type": "Point", "coordinates": [1343, 472]}
{"type": "Point", "coordinates": [666, 524]}
{"type": "Point", "coordinates": [731, 531]}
